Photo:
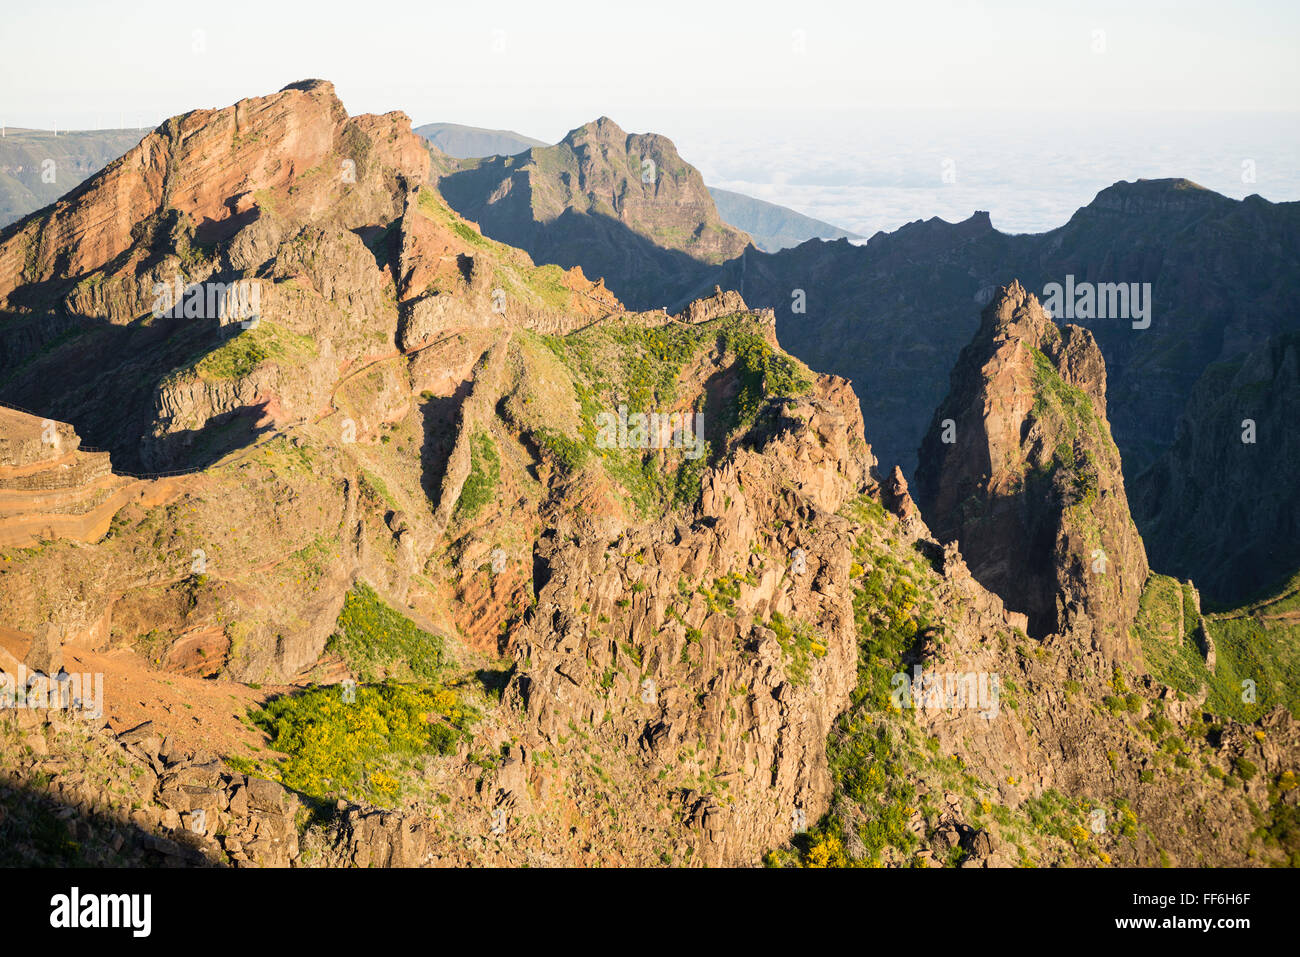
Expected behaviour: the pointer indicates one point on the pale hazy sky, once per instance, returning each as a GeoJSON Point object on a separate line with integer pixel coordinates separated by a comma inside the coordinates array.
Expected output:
{"type": "Point", "coordinates": [544, 66]}
{"type": "Point", "coordinates": [847, 111]}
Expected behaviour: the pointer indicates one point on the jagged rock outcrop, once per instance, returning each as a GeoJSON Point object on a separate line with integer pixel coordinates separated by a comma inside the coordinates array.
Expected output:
{"type": "Point", "coordinates": [721, 303]}
{"type": "Point", "coordinates": [263, 196]}
{"type": "Point", "coordinates": [140, 800]}
{"type": "Point", "coordinates": [733, 635]}
{"type": "Point", "coordinates": [1217, 278]}
{"type": "Point", "coordinates": [329, 220]}
{"type": "Point", "coordinates": [1063, 720]}
{"type": "Point", "coordinates": [657, 652]}
{"type": "Point", "coordinates": [1020, 469]}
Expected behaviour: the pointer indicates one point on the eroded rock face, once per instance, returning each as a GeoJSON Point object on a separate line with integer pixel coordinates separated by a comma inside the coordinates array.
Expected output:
{"type": "Point", "coordinates": [678, 674]}
{"type": "Point", "coordinates": [678, 637]}
{"type": "Point", "coordinates": [1043, 734]}
{"type": "Point", "coordinates": [721, 303]}
{"type": "Point", "coordinates": [294, 153]}
{"type": "Point", "coordinates": [50, 488]}
{"type": "Point", "coordinates": [1020, 469]}
{"type": "Point", "coordinates": [647, 185]}
{"type": "Point", "coordinates": [1236, 443]}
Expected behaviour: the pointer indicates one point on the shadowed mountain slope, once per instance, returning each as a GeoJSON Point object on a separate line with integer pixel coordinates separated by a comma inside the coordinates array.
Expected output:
{"type": "Point", "coordinates": [625, 207]}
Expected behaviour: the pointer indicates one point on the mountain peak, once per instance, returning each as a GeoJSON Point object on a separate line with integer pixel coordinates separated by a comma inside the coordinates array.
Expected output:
{"type": "Point", "coordinates": [1019, 467]}
{"type": "Point", "coordinates": [1014, 312]}
{"type": "Point", "coordinates": [1164, 184]}
{"type": "Point", "coordinates": [622, 206]}
{"type": "Point", "coordinates": [602, 128]}
{"type": "Point", "coordinates": [1173, 194]}
{"type": "Point", "coordinates": [310, 86]}
{"type": "Point", "coordinates": [294, 155]}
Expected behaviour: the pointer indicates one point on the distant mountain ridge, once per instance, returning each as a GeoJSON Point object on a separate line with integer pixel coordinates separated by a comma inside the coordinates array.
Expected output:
{"type": "Point", "coordinates": [770, 225]}
{"type": "Point", "coordinates": [773, 227]}
{"type": "Point", "coordinates": [472, 142]}
{"type": "Point", "coordinates": [893, 314]}
{"type": "Point", "coordinates": [39, 166]}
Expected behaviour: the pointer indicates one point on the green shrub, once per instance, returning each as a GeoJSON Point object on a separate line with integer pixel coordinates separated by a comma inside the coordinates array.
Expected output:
{"type": "Point", "coordinates": [569, 454]}
{"type": "Point", "coordinates": [484, 474]}
{"type": "Point", "coordinates": [378, 642]}
{"type": "Point", "coordinates": [356, 749]}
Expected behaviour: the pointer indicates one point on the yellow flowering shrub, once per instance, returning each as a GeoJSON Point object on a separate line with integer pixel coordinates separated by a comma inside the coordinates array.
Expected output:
{"type": "Point", "coordinates": [334, 746]}
{"type": "Point", "coordinates": [826, 852]}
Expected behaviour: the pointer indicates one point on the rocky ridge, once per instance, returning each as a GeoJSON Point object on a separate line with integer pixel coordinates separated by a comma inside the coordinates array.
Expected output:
{"type": "Point", "coordinates": [669, 659]}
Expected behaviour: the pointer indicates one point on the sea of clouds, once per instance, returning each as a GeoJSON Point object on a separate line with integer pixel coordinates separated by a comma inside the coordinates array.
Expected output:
{"type": "Point", "coordinates": [876, 171]}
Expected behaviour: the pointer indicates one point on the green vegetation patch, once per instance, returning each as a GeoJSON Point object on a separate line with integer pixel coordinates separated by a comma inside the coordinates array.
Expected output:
{"type": "Point", "coordinates": [567, 453]}
{"type": "Point", "coordinates": [640, 368]}
{"type": "Point", "coordinates": [241, 355]}
{"type": "Point", "coordinates": [378, 642]}
{"type": "Point", "coordinates": [764, 372]}
{"type": "Point", "coordinates": [1055, 398]}
{"type": "Point", "coordinates": [1264, 651]}
{"type": "Point", "coordinates": [361, 749]}
{"type": "Point", "coordinates": [484, 475]}
{"type": "Point", "coordinates": [1257, 650]}
{"type": "Point", "coordinates": [800, 643]}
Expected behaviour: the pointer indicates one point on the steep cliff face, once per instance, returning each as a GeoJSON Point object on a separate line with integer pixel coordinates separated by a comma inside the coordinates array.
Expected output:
{"type": "Point", "coordinates": [1020, 469]}
{"type": "Point", "coordinates": [625, 207]}
{"type": "Point", "coordinates": [295, 152]}
{"type": "Point", "coordinates": [769, 226]}
{"type": "Point", "coordinates": [120, 279]}
{"type": "Point", "coordinates": [1223, 507]}
{"type": "Point", "coordinates": [892, 315]}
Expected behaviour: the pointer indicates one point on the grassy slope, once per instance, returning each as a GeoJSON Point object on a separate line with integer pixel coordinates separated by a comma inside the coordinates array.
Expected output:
{"type": "Point", "coordinates": [1258, 642]}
